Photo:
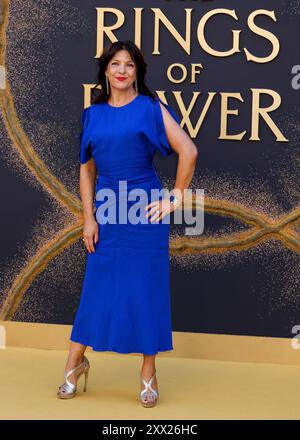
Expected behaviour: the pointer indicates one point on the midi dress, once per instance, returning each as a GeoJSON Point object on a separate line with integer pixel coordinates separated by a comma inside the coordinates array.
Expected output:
{"type": "Point", "coordinates": [125, 303]}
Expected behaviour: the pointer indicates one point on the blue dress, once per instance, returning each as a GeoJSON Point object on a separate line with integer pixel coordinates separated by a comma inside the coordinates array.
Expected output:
{"type": "Point", "coordinates": [125, 302]}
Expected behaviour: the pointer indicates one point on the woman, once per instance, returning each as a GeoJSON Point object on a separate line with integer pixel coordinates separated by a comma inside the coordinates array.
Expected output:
{"type": "Point", "coordinates": [125, 301]}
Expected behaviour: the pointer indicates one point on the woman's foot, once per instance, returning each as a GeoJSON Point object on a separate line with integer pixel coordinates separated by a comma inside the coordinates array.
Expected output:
{"type": "Point", "coordinates": [149, 398]}
{"type": "Point", "coordinates": [75, 367]}
{"type": "Point", "coordinates": [72, 363]}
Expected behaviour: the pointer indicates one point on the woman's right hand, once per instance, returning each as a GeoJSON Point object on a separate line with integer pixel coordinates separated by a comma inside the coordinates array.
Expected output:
{"type": "Point", "coordinates": [90, 233]}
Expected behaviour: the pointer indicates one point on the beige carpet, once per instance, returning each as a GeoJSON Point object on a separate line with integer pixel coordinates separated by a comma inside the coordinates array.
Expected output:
{"type": "Point", "coordinates": [189, 388]}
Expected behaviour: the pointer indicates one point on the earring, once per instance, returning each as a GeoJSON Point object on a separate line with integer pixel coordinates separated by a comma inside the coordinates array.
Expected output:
{"type": "Point", "coordinates": [136, 85]}
{"type": "Point", "coordinates": [107, 86]}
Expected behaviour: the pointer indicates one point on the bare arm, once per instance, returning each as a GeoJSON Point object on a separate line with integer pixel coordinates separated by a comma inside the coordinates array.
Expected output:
{"type": "Point", "coordinates": [87, 191]}
{"type": "Point", "coordinates": [186, 150]}
{"type": "Point", "coordinates": [188, 153]}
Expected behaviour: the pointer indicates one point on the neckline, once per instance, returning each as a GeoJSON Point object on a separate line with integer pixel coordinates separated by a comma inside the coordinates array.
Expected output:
{"type": "Point", "coordinates": [125, 105]}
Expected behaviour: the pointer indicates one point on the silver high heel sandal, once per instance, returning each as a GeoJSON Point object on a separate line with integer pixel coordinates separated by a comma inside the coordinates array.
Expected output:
{"type": "Point", "coordinates": [68, 390]}
{"type": "Point", "coordinates": [148, 391]}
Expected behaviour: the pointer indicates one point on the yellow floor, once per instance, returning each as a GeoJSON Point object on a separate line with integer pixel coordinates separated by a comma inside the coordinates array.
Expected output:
{"type": "Point", "coordinates": [189, 388]}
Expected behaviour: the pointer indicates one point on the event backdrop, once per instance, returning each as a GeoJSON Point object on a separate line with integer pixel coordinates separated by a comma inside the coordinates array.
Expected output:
{"type": "Point", "coordinates": [231, 71]}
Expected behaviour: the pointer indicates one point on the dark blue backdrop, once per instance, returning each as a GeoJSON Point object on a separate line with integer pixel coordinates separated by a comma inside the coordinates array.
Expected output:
{"type": "Point", "coordinates": [51, 54]}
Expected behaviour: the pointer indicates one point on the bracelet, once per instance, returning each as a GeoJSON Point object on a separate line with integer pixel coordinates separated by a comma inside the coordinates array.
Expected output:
{"type": "Point", "coordinates": [172, 198]}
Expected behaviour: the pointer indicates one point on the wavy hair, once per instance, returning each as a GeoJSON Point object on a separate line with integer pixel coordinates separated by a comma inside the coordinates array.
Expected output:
{"type": "Point", "coordinates": [99, 91]}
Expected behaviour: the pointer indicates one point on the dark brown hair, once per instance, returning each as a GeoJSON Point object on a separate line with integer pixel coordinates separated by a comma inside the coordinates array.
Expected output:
{"type": "Point", "coordinates": [99, 92]}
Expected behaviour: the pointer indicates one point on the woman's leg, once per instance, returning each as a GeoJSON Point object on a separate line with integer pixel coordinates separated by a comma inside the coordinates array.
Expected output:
{"type": "Point", "coordinates": [76, 353]}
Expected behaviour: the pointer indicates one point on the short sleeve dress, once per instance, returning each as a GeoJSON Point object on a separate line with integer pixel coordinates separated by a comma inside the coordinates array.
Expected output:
{"type": "Point", "coordinates": [125, 303]}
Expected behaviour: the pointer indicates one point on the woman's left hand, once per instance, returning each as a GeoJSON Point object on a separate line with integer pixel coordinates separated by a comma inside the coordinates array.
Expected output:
{"type": "Point", "coordinates": [160, 208]}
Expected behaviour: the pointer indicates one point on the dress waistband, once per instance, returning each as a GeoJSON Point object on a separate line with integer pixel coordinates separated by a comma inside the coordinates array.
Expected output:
{"type": "Point", "coordinates": [115, 180]}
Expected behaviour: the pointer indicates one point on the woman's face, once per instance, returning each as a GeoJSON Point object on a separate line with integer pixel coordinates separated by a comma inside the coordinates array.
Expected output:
{"type": "Point", "coordinates": [121, 70]}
